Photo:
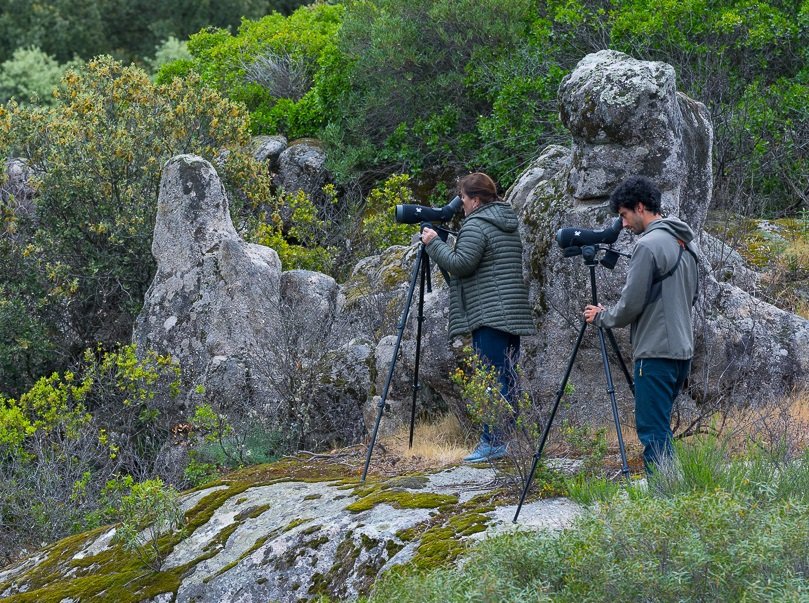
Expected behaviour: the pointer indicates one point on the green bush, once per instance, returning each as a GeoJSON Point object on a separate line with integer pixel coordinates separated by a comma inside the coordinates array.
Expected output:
{"type": "Point", "coordinates": [83, 266]}
{"type": "Point", "coordinates": [64, 441]}
{"type": "Point", "coordinates": [150, 511]}
{"type": "Point", "coordinates": [30, 76]}
{"type": "Point", "coordinates": [422, 80]}
{"type": "Point", "coordinates": [233, 65]}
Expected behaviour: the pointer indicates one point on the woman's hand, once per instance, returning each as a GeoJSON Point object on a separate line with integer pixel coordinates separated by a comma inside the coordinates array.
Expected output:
{"type": "Point", "coordinates": [427, 235]}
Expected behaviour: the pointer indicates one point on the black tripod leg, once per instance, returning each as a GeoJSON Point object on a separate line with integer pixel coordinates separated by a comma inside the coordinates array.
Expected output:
{"type": "Point", "coordinates": [425, 275]}
{"type": "Point", "coordinates": [606, 362]}
{"type": "Point", "coordinates": [559, 393]}
{"type": "Point", "coordinates": [621, 362]}
{"type": "Point", "coordinates": [613, 402]}
{"type": "Point", "coordinates": [380, 407]}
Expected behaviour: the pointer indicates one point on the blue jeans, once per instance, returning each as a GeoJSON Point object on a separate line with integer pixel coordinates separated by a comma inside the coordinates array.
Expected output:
{"type": "Point", "coordinates": [658, 381]}
{"type": "Point", "coordinates": [501, 350]}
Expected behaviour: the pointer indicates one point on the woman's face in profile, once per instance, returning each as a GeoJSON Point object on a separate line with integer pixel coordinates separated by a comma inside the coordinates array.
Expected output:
{"type": "Point", "coordinates": [470, 204]}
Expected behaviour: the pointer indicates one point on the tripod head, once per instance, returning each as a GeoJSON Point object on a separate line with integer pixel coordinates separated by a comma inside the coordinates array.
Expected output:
{"type": "Point", "coordinates": [589, 254]}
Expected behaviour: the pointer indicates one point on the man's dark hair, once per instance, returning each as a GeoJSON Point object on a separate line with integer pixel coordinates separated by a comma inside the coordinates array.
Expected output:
{"type": "Point", "coordinates": [634, 190]}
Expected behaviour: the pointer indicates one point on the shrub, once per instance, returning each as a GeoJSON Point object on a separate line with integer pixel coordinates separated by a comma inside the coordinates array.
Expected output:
{"type": "Point", "coordinates": [253, 65]}
{"type": "Point", "coordinates": [85, 261]}
{"type": "Point", "coordinates": [480, 389]}
{"type": "Point", "coordinates": [64, 441]}
{"type": "Point", "coordinates": [149, 511]}
{"type": "Point", "coordinates": [420, 80]}
{"type": "Point", "coordinates": [701, 542]}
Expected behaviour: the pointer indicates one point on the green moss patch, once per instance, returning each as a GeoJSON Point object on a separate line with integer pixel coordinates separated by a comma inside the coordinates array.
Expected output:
{"type": "Point", "coordinates": [252, 512]}
{"type": "Point", "coordinates": [411, 482]}
{"type": "Point", "coordinates": [295, 523]}
{"type": "Point", "coordinates": [401, 499]}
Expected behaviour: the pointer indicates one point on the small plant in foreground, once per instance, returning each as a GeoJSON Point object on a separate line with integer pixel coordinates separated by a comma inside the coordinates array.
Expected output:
{"type": "Point", "coordinates": [149, 511]}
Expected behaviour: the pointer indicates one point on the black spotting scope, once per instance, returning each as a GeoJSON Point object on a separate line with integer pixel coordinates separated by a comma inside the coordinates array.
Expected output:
{"type": "Point", "coordinates": [581, 237]}
{"type": "Point", "coordinates": [415, 214]}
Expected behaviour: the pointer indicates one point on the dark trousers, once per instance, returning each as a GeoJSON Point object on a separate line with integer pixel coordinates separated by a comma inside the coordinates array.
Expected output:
{"type": "Point", "coordinates": [501, 350]}
{"type": "Point", "coordinates": [658, 381]}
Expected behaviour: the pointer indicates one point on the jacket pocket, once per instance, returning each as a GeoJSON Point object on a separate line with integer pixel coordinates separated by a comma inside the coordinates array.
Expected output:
{"type": "Point", "coordinates": [461, 296]}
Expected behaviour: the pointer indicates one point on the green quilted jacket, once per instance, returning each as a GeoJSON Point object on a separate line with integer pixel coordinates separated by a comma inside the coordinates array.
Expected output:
{"type": "Point", "coordinates": [485, 267]}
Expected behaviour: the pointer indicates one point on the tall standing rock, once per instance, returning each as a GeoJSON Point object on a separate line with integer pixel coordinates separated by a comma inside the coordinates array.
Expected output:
{"type": "Point", "coordinates": [257, 340]}
{"type": "Point", "coordinates": [214, 298]}
{"type": "Point", "coordinates": [626, 117]}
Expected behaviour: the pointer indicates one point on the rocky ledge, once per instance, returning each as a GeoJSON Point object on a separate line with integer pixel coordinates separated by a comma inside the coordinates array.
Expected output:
{"type": "Point", "coordinates": [290, 531]}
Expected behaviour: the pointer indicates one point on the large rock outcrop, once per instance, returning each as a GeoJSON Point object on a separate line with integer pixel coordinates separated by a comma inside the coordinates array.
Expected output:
{"type": "Point", "coordinates": [214, 298]}
{"type": "Point", "coordinates": [255, 339]}
{"type": "Point", "coordinates": [287, 540]}
{"type": "Point", "coordinates": [626, 117]}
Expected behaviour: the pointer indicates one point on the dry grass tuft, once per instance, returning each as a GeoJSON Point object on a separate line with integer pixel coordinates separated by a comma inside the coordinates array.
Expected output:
{"type": "Point", "coordinates": [782, 422]}
{"type": "Point", "coordinates": [443, 442]}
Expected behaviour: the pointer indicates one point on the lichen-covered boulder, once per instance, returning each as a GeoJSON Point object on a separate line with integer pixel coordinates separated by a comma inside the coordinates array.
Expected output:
{"type": "Point", "coordinates": [268, 149]}
{"type": "Point", "coordinates": [302, 167]}
{"type": "Point", "coordinates": [255, 339]}
{"type": "Point", "coordinates": [214, 298]}
{"type": "Point", "coordinates": [626, 117]}
{"type": "Point", "coordinates": [277, 533]}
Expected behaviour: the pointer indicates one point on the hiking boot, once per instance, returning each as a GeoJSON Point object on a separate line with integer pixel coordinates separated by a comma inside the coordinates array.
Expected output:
{"type": "Point", "coordinates": [486, 452]}
{"type": "Point", "coordinates": [479, 454]}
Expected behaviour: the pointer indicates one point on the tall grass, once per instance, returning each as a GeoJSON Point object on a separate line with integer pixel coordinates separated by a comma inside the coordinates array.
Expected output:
{"type": "Point", "coordinates": [709, 527]}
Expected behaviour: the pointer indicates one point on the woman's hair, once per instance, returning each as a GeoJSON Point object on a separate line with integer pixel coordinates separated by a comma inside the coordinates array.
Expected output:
{"type": "Point", "coordinates": [478, 185]}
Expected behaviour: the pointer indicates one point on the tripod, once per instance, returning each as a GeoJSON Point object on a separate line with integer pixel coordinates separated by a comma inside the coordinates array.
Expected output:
{"type": "Point", "coordinates": [421, 271]}
{"type": "Point", "coordinates": [588, 254]}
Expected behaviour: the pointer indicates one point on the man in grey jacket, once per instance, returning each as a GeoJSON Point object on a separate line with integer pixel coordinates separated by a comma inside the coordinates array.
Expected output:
{"type": "Point", "coordinates": [661, 287]}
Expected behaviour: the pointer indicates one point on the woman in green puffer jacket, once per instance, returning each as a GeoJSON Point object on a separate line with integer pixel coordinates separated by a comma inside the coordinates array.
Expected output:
{"type": "Point", "coordinates": [488, 298]}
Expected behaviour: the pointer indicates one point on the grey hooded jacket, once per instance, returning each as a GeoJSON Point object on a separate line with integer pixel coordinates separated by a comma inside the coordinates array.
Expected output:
{"type": "Point", "coordinates": [658, 308]}
{"type": "Point", "coordinates": [485, 267]}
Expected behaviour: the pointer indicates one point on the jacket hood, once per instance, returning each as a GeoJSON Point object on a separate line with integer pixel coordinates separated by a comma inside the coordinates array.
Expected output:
{"type": "Point", "coordinates": [498, 213]}
{"type": "Point", "coordinates": [675, 226]}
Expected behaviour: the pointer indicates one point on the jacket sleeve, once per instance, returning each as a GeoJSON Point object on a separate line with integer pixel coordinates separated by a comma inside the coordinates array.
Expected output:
{"type": "Point", "coordinates": [465, 258]}
{"type": "Point", "coordinates": [635, 293]}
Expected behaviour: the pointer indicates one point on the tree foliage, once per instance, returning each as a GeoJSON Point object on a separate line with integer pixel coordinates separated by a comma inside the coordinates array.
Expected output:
{"type": "Point", "coordinates": [30, 76]}
{"type": "Point", "coordinates": [438, 88]}
{"type": "Point", "coordinates": [82, 263]}
{"type": "Point", "coordinates": [64, 441]}
{"type": "Point", "coordinates": [127, 29]}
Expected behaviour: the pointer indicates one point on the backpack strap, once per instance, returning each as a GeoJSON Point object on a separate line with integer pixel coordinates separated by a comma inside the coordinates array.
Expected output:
{"type": "Point", "coordinates": [661, 277]}
{"type": "Point", "coordinates": [683, 247]}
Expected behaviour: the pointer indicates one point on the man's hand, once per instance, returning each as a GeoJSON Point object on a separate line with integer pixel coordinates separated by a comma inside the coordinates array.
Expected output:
{"type": "Point", "coordinates": [591, 311]}
{"type": "Point", "coordinates": [427, 235]}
